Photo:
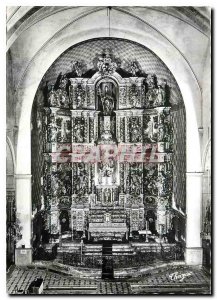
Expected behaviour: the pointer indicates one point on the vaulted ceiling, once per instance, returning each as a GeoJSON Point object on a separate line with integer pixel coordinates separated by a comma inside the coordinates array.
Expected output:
{"type": "Point", "coordinates": [19, 18]}
{"type": "Point", "coordinates": [29, 28]}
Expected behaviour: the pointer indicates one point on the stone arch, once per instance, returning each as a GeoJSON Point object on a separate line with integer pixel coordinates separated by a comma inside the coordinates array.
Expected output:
{"type": "Point", "coordinates": [136, 30]}
{"type": "Point", "coordinates": [180, 69]}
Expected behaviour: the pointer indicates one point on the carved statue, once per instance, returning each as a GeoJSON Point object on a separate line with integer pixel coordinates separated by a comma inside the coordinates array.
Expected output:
{"type": "Point", "coordinates": [152, 187]}
{"type": "Point", "coordinates": [135, 131]}
{"type": "Point", "coordinates": [107, 102]}
{"type": "Point", "coordinates": [134, 68]}
{"type": "Point", "coordinates": [107, 196]}
{"type": "Point", "coordinates": [107, 168]}
{"type": "Point", "coordinates": [107, 217]}
{"type": "Point", "coordinates": [133, 95]}
{"type": "Point", "coordinates": [160, 96]}
{"type": "Point", "coordinates": [79, 67]}
{"type": "Point", "coordinates": [68, 185]}
{"type": "Point", "coordinates": [160, 132]}
{"type": "Point", "coordinates": [152, 97]}
{"type": "Point", "coordinates": [52, 131]}
{"type": "Point", "coordinates": [135, 178]}
{"type": "Point", "coordinates": [52, 99]}
{"type": "Point", "coordinates": [167, 93]}
{"type": "Point", "coordinates": [106, 65]}
{"type": "Point", "coordinates": [55, 184]}
{"type": "Point", "coordinates": [80, 96]}
{"type": "Point", "coordinates": [106, 136]}
{"type": "Point", "coordinates": [81, 179]}
{"type": "Point", "coordinates": [79, 132]}
{"type": "Point", "coordinates": [63, 82]}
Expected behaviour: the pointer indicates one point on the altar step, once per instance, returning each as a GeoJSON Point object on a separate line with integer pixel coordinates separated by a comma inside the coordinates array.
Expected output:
{"type": "Point", "coordinates": [89, 249]}
{"type": "Point", "coordinates": [122, 249]}
{"type": "Point", "coordinates": [69, 247]}
{"type": "Point", "coordinates": [152, 247]}
{"type": "Point", "coordinates": [117, 249]}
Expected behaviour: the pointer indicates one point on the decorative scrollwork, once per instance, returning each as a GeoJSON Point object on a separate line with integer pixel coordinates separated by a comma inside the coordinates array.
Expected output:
{"type": "Point", "coordinates": [134, 95]}
{"type": "Point", "coordinates": [106, 62]}
{"type": "Point", "coordinates": [135, 130]}
{"type": "Point", "coordinates": [65, 202]}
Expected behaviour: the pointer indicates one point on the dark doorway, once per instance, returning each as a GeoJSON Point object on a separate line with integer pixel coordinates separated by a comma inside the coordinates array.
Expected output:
{"type": "Point", "coordinates": [151, 218]}
{"type": "Point", "coordinates": [107, 260]}
{"type": "Point", "coordinates": [64, 221]}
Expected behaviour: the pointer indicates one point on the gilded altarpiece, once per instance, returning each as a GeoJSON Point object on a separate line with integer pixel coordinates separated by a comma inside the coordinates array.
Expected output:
{"type": "Point", "coordinates": [107, 143]}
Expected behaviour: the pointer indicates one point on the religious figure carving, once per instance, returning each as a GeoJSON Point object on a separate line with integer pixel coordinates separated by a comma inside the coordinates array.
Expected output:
{"type": "Point", "coordinates": [80, 96]}
{"type": "Point", "coordinates": [65, 201]}
{"type": "Point", "coordinates": [107, 217]}
{"type": "Point", "coordinates": [147, 125]}
{"type": "Point", "coordinates": [107, 168]}
{"type": "Point", "coordinates": [106, 63]}
{"type": "Point", "coordinates": [63, 82]}
{"type": "Point", "coordinates": [135, 179]}
{"type": "Point", "coordinates": [134, 68]}
{"type": "Point", "coordinates": [134, 95]}
{"type": "Point", "coordinates": [52, 130]}
{"type": "Point", "coordinates": [135, 130]}
{"type": "Point", "coordinates": [107, 102]}
{"type": "Point", "coordinates": [107, 196]}
{"type": "Point", "coordinates": [78, 67]}
{"type": "Point", "coordinates": [68, 184]}
{"type": "Point", "coordinates": [79, 131]}
{"type": "Point", "coordinates": [52, 99]}
{"type": "Point", "coordinates": [159, 101]}
{"type": "Point", "coordinates": [106, 137]}
{"type": "Point", "coordinates": [55, 184]}
{"type": "Point", "coordinates": [62, 98]}
{"type": "Point", "coordinates": [167, 93]}
{"type": "Point", "coordinates": [152, 91]}
{"type": "Point", "coordinates": [151, 97]}
{"type": "Point", "coordinates": [160, 133]}
{"type": "Point", "coordinates": [81, 179]}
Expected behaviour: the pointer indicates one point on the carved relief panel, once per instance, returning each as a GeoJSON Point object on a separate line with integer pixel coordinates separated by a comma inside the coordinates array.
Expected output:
{"type": "Point", "coordinates": [106, 92]}
{"type": "Point", "coordinates": [59, 93]}
{"type": "Point", "coordinates": [81, 179]}
{"type": "Point", "coordinates": [155, 94]}
{"type": "Point", "coordinates": [79, 129]}
{"type": "Point", "coordinates": [135, 178]}
{"type": "Point", "coordinates": [80, 216]}
{"type": "Point", "coordinates": [135, 125]}
{"type": "Point", "coordinates": [134, 220]}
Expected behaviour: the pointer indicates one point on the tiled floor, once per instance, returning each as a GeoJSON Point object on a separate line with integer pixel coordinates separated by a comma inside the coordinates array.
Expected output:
{"type": "Point", "coordinates": [20, 278]}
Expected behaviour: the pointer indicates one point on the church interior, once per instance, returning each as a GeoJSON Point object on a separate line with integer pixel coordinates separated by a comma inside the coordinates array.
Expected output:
{"type": "Point", "coordinates": [108, 150]}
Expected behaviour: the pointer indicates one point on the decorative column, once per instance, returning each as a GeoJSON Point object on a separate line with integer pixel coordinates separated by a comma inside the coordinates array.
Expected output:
{"type": "Point", "coordinates": [23, 251]}
{"type": "Point", "coordinates": [193, 252]}
{"type": "Point", "coordinates": [127, 129]}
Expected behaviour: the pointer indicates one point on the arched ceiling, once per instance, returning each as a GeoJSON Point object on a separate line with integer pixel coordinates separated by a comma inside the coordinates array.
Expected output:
{"type": "Point", "coordinates": [181, 46]}
{"type": "Point", "coordinates": [30, 28]}
{"type": "Point", "coordinates": [20, 18]}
